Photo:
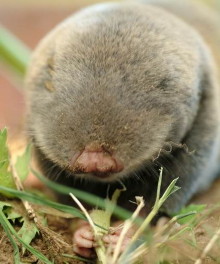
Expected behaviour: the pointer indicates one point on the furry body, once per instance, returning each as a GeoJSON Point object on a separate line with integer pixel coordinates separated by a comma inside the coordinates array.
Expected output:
{"type": "Point", "coordinates": [140, 81]}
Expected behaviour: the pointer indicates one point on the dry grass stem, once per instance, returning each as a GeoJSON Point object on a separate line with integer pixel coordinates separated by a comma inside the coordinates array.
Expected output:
{"type": "Point", "coordinates": [127, 225]}
{"type": "Point", "coordinates": [82, 208]}
{"type": "Point", "coordinates": [100, 250]}
{"type": "Point", "coordinates": [30, 211]}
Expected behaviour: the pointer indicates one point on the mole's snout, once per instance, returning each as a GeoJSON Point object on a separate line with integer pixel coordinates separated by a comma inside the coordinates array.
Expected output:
{"type": "Point", "coordinates": [97, 161]}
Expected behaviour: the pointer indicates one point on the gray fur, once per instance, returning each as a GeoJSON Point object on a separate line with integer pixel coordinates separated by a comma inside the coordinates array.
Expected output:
{"type": "Point", "coordinates": [135, 78]}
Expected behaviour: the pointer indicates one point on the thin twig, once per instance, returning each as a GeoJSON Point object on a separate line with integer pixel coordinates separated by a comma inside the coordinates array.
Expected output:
{"type": "Point", "coordinates": [3, 237]}
{"type": "Point", "coordinates": [30, 211]}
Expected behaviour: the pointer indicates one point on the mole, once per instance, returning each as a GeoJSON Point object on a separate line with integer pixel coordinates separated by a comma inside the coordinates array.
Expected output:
{"type": "Point", "coordinates": [119, 90]}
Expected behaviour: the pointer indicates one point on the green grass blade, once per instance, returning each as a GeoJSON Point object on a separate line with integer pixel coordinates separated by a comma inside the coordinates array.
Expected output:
{"type": "Point", "coordinates": [84, 196]}
{"type": "Point", "coordinates": [13, 51]}
{"type": "Point", "coordinates": [180, 232]}
{"type": "Point", "coordinates": [159, 185]}
{"type": "Point", "coordinates": [172, 188]}
{"type": "Point", "coordinates": [158, 203]}
{"type": "Point", "coordinates": [42, 201]}
{"type": "Point", "coordinates": [4, 223]}
{"type": "Point", "coordinates": [89, 261]}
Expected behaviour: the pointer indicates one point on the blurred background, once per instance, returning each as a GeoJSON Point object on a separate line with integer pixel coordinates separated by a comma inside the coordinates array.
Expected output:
{"type": "Point", "coordinates": [29, 21]}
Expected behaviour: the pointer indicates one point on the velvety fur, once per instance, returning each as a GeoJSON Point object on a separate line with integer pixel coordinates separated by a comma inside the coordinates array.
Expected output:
{"type": "Point", "coordinates": [140, 81]}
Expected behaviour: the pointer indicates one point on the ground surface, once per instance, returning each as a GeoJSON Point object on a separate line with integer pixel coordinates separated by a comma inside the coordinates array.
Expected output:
{"type": "Point", "coordinates": [53, 241]}
{"type": "Point", "coordinates": [56, 238]}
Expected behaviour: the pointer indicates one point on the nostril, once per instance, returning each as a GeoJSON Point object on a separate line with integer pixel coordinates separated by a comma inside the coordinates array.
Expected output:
{"type": "Point", "coordinates": [74, 159]}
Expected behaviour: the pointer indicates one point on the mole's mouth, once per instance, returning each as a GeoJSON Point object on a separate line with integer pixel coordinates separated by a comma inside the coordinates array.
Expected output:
{"type": "Point", "coordinates": [94, 175]}
{"type": "Point", "coordinates": [98, 176]}
{"type": "Point", "coordinates": [101, 175]}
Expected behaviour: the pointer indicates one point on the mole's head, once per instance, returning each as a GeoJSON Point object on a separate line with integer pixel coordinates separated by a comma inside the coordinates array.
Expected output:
{"type": "Point", "coordinates": [109, 86]}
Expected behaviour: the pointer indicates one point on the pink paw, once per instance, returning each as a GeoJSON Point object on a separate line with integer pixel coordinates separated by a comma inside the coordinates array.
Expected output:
{"type": "Point", "coordinates": [84, 242]}
{"type": "Point", "coordinates": [112, 239]}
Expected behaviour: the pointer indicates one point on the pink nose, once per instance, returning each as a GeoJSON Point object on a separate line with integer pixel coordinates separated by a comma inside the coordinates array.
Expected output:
{"type": "Point", "coordinates": [96, 161]}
